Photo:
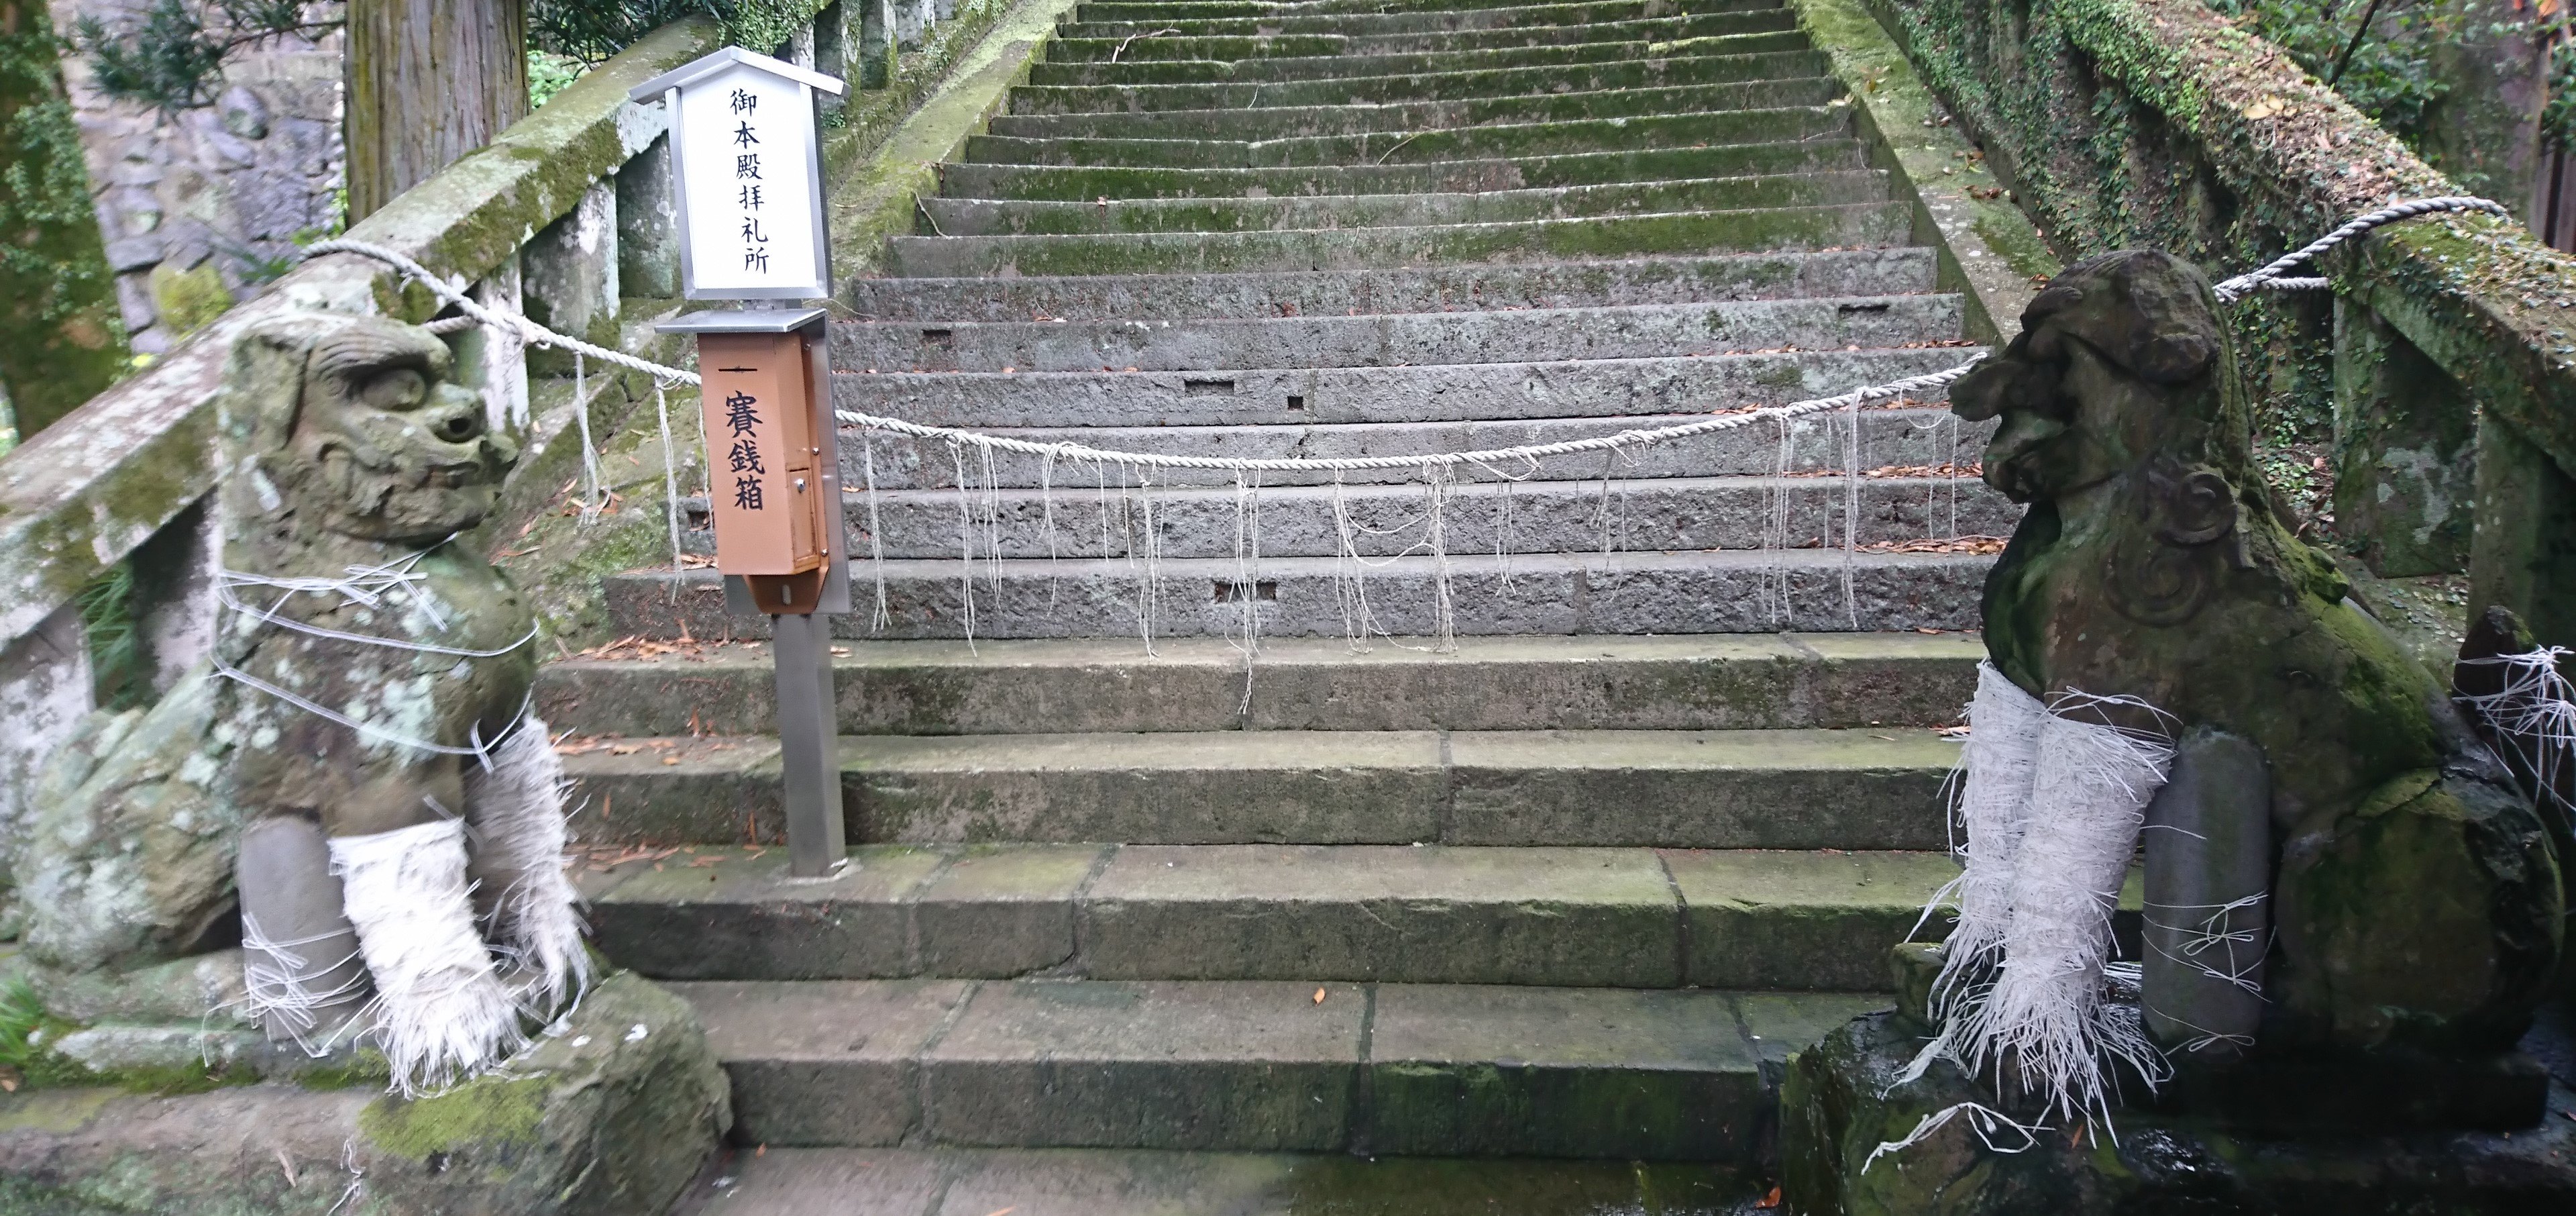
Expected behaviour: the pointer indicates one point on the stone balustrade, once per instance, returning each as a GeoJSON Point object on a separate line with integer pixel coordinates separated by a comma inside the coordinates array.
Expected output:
{"type": "Point", "coordinates": [2445, 358]}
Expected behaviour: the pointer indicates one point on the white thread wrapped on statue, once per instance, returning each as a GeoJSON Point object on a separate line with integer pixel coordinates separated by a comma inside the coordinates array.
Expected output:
{"type": "Point", "coordinates": [1994, 777]}
{"type": "Point", "coordinates": [441, 1012]}
{"type": "Point", "coordinates": [517, 812]}
{"type": "Point", "coordinates": [2052, 808]}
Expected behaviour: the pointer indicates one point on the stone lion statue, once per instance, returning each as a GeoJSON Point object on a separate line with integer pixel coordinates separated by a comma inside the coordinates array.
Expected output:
{"type": "Point", "coordinates": [354, 778]}
{"type": "Point", "coordinates": [2413, 891]}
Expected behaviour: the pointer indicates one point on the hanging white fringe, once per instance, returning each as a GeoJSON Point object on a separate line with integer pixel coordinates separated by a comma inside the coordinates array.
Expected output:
{"type": "Point", "coordinates": [278, 979]}
{"type": "Point", "coordinates": [1986, 1121]}
{"type": "Point", "coordinates": [2535, 711]}
{"type": "Point", "coordinates": [2021, 990]}
{"type": "Point", "coordinates": [534, 920]}
{"type": "Point", "coordinates": [441, 1014]}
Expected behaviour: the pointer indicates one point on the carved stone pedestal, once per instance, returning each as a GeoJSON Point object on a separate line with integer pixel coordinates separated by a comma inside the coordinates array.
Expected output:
{"type": "Point", "coordinates": [2367, 1147]}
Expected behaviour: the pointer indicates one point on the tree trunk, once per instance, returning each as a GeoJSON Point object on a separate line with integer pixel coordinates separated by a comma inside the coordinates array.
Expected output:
{"type": "Point", "coordinates": [60, 338]}
{"type": "Point", "coordinates": [428, 82]}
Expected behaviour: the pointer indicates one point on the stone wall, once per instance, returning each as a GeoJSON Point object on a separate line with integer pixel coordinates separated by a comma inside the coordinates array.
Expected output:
{"type": "Point", "coordinates": [201, 207]}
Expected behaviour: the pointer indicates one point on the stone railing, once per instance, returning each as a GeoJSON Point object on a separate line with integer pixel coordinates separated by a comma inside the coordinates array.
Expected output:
{"type": "Point", "coordinates": [2445, 357]}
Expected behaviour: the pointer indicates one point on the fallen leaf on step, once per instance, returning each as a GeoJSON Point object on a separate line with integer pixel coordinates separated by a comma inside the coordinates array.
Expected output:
{"type": "Point", "coordinates": [1005, 1211]}
{"type": "Point", "coordinates": [1771, 1200]}
{"type": "Point", "coordinates": [670, 759]}
{"type": "Point", "coordinates": [1319, 996]}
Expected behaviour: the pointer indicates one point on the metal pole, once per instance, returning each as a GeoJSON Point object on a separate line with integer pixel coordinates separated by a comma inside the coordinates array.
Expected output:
{"type": "Point", "coordinates": [808, 743]}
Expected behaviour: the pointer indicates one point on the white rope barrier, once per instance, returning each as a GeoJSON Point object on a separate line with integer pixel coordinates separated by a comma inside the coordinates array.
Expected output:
{"type": "Point", "coordinates": [2271, 276]}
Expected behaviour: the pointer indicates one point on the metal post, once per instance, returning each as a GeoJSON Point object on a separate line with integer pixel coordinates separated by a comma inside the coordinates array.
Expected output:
{"type": "Point", "coordinates": [808, 744]}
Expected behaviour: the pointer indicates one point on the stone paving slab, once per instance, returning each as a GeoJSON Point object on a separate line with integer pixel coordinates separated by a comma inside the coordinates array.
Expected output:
{"type": "Point", "coordinates": [1465, 174]}
{"type": "Point", "coordinates": [1748, 230]}
{"type": "Point", "coordinates": [1664, 514]}
{"type": "Point", "coordinates": [1588, 135]}
{"type": "Point", "coordinates": [1582, 917]}
{"type": "Point", "coordinates": [825, 1062]}
{"type": "Point", "coordinates": [1065, 217]}
{"type": "Point", "coordinates": [1133, 1182]}
{"type": "Point", "coordinates": [1673, 280]}
{"type": "Point", "coordinates": [1561, 917]}
{"type": "Point", "coordinates": [1335, 412]}
{"type": "Point", "coordinates": [1170, 71]}
{"type": "Point", "coordinates": [1236, 1065]}
{"type": "Point", "coordinates": [1098, 42]}
{"type": "Point", "coordinates": [1448, 1069]}
{"type": "Point", "coordinates": [1545, 1072]}
{"type": "Point", "coordinates": [1738, 591]}
{"type": "Point", "coordinates": [1675, 682]}
{"type": "Point", "coordinates": [1350, 117]}
{"type": "Point", "coordinates": [1793, 789]}
{"type": "Point", "coordinates": [1640, 73]}
{"type": "Point", "coordinates": [1646, 331]}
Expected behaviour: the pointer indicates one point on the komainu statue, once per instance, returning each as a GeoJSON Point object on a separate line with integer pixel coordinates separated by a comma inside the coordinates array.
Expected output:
{"type": "Point", "coordinates": [354, 778]}
{"type": "Point", "coordinates": [2352, 905]}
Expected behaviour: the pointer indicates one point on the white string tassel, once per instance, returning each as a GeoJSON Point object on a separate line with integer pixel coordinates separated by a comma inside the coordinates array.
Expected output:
{"type": "Point", "coordinates": [670, 479]}
{"type": "Point", "coordinates": [2534, 712]}
{"type": "Point", "coordinates": [1851, 509]}
{"type": "Point", "coordinates": [441, 1014]}
{"type": "Point", "coordinates": [517, 811]}
{"type": "Point", "coordinates": [876, 533]}
{"type": "Point", "coordinates": [966, 543]}
{"type": "Point", "coordinates": [590, 495]}
{"type": "Point", "coordinates": [1444, 610]}
{"type": "Point", "coordinates": [1247, 575]}
{"type": "Point", "coordinates": [1985, 1121]}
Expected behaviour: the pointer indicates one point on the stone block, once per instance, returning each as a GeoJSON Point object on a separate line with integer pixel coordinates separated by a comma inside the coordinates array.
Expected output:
{"type": "Point", "coordinates": [824, 1062]}
{"type": "Point", "coordinates": [1602, 917]}
{"type": "Point", "coordinates": [1478, 1071]}
{"type": "Point", "coordinates": [722, 914]}
{"type": "Point", "coordinates": [1762, 919]}
{"type": "Point", "coordinates": [1260, 1066]}
{"type": "Point", "coordinates": [997, 912]}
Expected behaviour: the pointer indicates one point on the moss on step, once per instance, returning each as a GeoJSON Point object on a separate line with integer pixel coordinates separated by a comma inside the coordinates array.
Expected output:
{"type": "Point", "coordinates": [1079, 183]}
{"type": "Point", "coordinates": [1041, 98]}
{"type": "Point", "coordinates": [1605, 237]}
{"type": "Point", "coordinates": [1785, 124]}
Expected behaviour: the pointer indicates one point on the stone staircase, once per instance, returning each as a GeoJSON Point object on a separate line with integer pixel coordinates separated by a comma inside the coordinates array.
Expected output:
{"type": "Point", "coordinates": [1573, 890]}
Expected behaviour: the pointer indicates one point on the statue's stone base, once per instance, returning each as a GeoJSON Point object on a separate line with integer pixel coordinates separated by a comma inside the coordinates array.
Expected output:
{"type": "Point", "coordinates": [1840, 1102]}
{"type": "Point", "coordinates": [610, 1117]}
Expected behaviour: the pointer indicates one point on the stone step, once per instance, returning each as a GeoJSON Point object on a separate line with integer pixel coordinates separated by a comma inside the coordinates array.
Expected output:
{"type": "Point", "coordinates": [1502, 11]}
{"type": "Point", "coordinates": [1783, 124]}
{"type": "Point", "coordinates": [1022, 217]}
{"type": "Point", "coordinates": [1679, 280]}
{"type": "Point", "coordinates": [1736, 591]}
{"type": "Point", "coordinates": [1090, 183]}
{"type": "Point", "coordinates": [1393, 1069]}
{"type": "Point", "coordinates": [1121, 19]}
{"type": "Point", "coordinates": [1890, 437]}
{"type": "Point", "coordinates": [1222, 94]}
{"type": "Point", "coordinates": [1877, 788]}
{"type": "Point", "coordinates": [1278, 121]}
{"type": "Point", "coordinates": [1123, 1182]}
{"type": "Point", "coordinates": [1436, 914]}
{"type": "Point", "coordinates": [1322, 67]}
{"type": "Point", "coordinates": [1634, 515]}
{"type": "Point", "coordinates": [1425, 338]}
{"type": "Point", "coordinates": [1859, 224]}
{"type": "Point", "coordinates": [1141, 41]}
{"type": "Point", "coordinates": [1671, 682]}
